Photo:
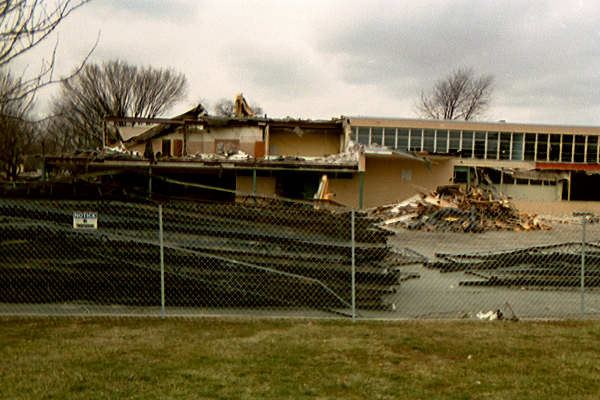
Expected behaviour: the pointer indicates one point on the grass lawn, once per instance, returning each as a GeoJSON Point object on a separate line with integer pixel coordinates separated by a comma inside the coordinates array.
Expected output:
{"type": "Point", "coordinates": [278, 359]}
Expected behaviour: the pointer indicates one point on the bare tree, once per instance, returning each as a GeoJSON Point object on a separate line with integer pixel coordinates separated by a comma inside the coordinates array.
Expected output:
{"type": "Point", "coordinates": [16, 132]}
{"type": "Point", "coordinates": [114, 88]}
{"type": "Point", "coordinates": [23, 25]}
{"type": "Point", "coordinates": [224, 108]}
{"type": "Point", "coordinates": [460, 95]}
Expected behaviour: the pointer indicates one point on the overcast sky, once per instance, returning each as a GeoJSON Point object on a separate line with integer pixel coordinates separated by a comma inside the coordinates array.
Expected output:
{"type": "Point", "coordinates": [323, 59]}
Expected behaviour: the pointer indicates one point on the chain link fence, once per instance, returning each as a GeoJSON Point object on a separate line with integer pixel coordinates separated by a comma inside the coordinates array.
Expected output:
{"type": "Point", "coordinates": [409, 261]}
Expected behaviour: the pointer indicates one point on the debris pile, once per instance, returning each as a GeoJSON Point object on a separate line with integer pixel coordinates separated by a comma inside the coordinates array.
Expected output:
{"type": "Point", "coordinates": [453, 208]}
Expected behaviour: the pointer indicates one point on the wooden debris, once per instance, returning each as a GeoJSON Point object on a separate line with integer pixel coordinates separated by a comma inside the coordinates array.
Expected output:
{"type": "Point", "coordinates": [452, 208]}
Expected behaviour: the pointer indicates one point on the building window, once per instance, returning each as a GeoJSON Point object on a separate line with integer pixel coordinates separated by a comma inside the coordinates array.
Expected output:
{"type": "Point", "coordinates": [567, 148]}
{"type": "Point", "coordinates": [166, 147]}
{"type": "Point", "coordinates": [530, 146]}
{"type": "Point", "coordinates": [579, 155]}
{"type": "Point", "coordinates": [416, 135]}
{"type": "Point", "coordinates": [505, 146]}
{"type": "Point", "coordinates": [403, 139]}
{"type": "Point", "coordinates": [363, 135]}
{"type": "Point", "coordinates": [554, 153]}
{"type": "Point", "coordinates": [467, 144]}
{"type": "Point", "coordinates": [441, 141]}
{"type": "Point", "coordinates": [492, 145]}
{"type": "Point", "coordinates": [592, 149]}
{"type": "Point", "coordinates": [542, 147]}
{"type": "Point", "coordinates": [389, 138]}
{"type": "Point", "coordinates": [377, 136]}
{"type": "Point", "coordinates": [454, 144]}
{"type": "Point", "coordinates": [479, 148]}
{"type": "Point", "coordinates": [428, 140]}
{"type": "Point", "coordinates": [517, 147]}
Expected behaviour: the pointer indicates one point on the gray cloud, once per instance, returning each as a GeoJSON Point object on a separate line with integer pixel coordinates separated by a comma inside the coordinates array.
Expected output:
{"type": "Point", "coordinates": [172, 10]}
{"type": "Point", "coordinates": [534, 50]}
{"type": "Point", "coordinates": [278, 73]}
{"type": "Point", "coordinates": [316, 58]}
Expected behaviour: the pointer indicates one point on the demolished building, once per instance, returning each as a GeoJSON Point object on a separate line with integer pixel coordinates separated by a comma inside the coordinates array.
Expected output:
{"type": "Point", "coordinates": [368, 162]}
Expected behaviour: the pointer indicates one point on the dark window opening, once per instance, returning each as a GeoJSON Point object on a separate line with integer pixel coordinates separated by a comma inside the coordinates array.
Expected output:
{"type": "Point", "coordinates": [479, 148]}
{"type": "Point", "coordinates": [166, 147]}
{"type": "Point", "coordinates": [582, 186]}
{"type": "Point", "coordinates": [492, 146]}
{"type": "Point", "coordinates": [494, 175]}
{"type": "Point", "coordinates": [467, 144]}
{"type": "Point", "coordinates": [542, 147]}
{"type": "Point", "coordinates": [508, 179]}
{"type": "Point", "coordinates": [505, 146]}
{"type": "Point", "coordinates": [454, 141]}
{"type": "Point", "coordinates": [579, 155]}
{"type": "Point", "coordinates": [529, 146]}
{"type": "Point", "coordinates": [567, 148]}
{"type": "Point", "coordinates": [592, 150]}
{"type": "Point", "coordinates": [554, 147]}
{"type": "Point", "coordinates": [297, 185]}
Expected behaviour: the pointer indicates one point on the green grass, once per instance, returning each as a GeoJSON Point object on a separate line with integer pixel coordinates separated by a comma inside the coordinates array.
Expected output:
{"type": "Point", "coordinates": [273, 359]}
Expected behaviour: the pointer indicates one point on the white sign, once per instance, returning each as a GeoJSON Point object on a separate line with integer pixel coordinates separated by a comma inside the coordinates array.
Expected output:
{"type": "Point", "coordinates": [85, 220]}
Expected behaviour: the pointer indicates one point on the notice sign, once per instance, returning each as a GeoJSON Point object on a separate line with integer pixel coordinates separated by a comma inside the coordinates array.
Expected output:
{"type": "Point", "coordinates": [85, 220]}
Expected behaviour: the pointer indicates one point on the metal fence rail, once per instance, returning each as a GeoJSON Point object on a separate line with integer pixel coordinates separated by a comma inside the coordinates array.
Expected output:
{"type": "Point", "coordinates": [183, 258]}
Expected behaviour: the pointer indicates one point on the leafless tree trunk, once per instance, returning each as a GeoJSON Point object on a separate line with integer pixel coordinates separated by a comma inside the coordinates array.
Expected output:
{"type": "Point", "coordinates": [461, 95]}
{"type": "Point", "coordinates": [16, 132]}
{"type": "Point", "coordinates": [114, 88]}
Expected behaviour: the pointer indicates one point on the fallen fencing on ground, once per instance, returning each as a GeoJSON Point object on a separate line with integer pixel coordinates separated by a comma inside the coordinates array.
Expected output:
{"type": "Point", "coordinates": [191, 258]}
{"type": "Point", "coordinates": [218, 255]}
{"type": "Point", "coordinates": [557, 265]}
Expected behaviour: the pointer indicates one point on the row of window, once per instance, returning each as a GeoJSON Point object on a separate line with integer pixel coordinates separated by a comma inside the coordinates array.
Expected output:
{"type": "Point", "coordinates": [485, 145]}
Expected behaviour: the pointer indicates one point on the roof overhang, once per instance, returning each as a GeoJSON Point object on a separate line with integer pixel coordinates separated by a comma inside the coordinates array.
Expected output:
{"type": "Point", "coordinates": [190, 165]}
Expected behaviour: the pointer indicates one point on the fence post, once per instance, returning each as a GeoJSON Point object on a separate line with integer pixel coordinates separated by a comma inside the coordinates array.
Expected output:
{"type": "Point", "coordinates": [353, 260]}
{"type": "Point", "coordinates": [583, 216]}
{"type": "Point", "coordinates": [162, 262]}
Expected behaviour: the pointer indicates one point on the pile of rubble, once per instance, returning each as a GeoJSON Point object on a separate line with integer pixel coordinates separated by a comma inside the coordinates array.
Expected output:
{"type": "Point", "coordinates": [454, 208]}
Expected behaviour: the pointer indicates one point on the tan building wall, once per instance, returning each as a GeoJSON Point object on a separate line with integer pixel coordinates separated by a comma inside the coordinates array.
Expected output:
{"type": "Point", "coordinates": [265, 185]}
{"type": "Point", "coordinates": [389, 180]}
{"type": "Point", "coordinates": [531, 192]}
{"type": "Point", "coordinates": [346, 191]}
{"type": "Point", "coordinates": [557, 208]}
{"type": "Point", "coordinates": [310, 144]}
{"type": "Point", "coordinates": [203, 141]}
